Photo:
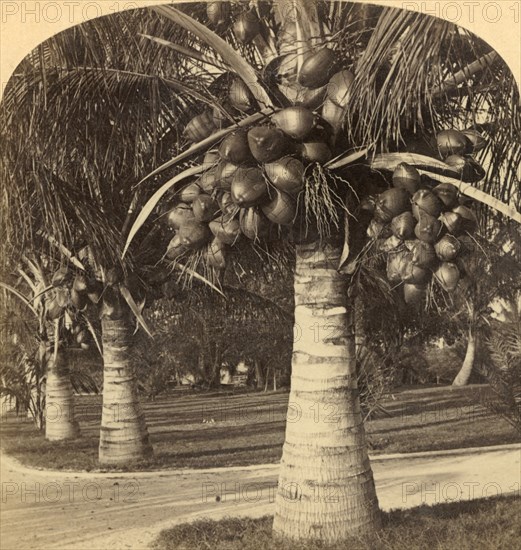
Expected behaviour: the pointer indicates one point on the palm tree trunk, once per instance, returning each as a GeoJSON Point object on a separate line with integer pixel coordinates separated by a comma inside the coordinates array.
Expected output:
{"type": "Point", "coordinates": [463, 376]}
{"type": "Point", "coordinates": [259, 377]}
{"type": "Point", "coordinates": [60, 422]}
{"type": "Point", "coordinates": [124, 435]}
{"type": "Point", "coordinates": [326, 489]}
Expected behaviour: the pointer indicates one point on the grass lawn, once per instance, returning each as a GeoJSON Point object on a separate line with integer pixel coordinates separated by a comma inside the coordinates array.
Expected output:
{"type": "Point", "coordinates": [491, 524]}
{"type": "Point", "coordinates": [248, 428]}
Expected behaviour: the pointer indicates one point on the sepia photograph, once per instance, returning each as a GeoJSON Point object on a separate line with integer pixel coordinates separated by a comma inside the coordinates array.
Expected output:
{"type": "Point", "coordinates": [260, 275]}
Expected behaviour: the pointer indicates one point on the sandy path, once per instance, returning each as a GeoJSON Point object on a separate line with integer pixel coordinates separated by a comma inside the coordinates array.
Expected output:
{"type": "Point", "coordinates": [57, 510]}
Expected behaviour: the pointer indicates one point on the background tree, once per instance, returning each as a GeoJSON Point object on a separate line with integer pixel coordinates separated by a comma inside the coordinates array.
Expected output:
{"type": "Point", "coordinates": [102, 96]}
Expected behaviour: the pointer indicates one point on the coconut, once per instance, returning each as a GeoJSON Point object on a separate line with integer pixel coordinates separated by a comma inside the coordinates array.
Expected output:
{"type": "Point", "coordinates": [296, 122]}
{"type": "Point", "coordinates": [205, 208]}
{"type": "Point", "coordinates": [428, 229]}
{"type": "Point", "coordinates": [425, 201]}
{"type": "Point", "coordinates": [402, 226]}
{"type": "Point", "coordinates": [378, 229]}
{"type": "Point", "coordinates": [316, 151]}
{"type": "Point", "coordinates": [53, 310]}
{"type": "Point", "coordinates": [339, 87]}
{"type": "Point", "coordinates": [175, 248]}
{"type": "Point", "coordinates": [249, 187]}
{"type": "Point", "coordinates": [447, 248]}
{"type": "Point", "coordinates": [469, 221]}
{"type": "Point", "coordinates": [254, 224]}
{"type": "Point", "coordinates": [211, 158]}
{"type": "Point", "coordinates": [476, 142]}
{"type": "Point", "coordinates": [386, 245]}
{"type": "Point", "coordinates": [228, 207]}
{"type": "Point", "coordinates": [447, 193]}
{"type": "Point", "coordinates": [224, 174]}
{"type": "Point", "coordinates": [416, 275]}
{"type": "Point", "coordinates": [406, 177]}
{"type": "Point", "coordinates": [216, 254]}
{"type": "Point", "coordinates": [268, 144]}
{"type": "Point", "coordinates": [451, 142]}
{"type": "Point", "coordinates": [60, 277]}
{"type": "Point", "coordinates": [179, 215]}
{"type": "Point", "coordinates": [235, 148]}
{"type": "Point", "coordinates": [391, 203]}
{"type": "Point", "coordinates": [194, 234]}
{"type": "Point", "coordinates": [62, 296]}
{"type": "Point", "coordinates": [317, 68]}
{"type": "Point", "coordinates": [80, 284]}
{"type": "Point", "coordinates": [240, 95]}
{"type": "Point", "coordinates": [452, 222]}
{"type": "Point", "coordinates": [189, 193]}
{"type": "Point", "coordinates": [78, 299]}
{"type": "Point", "coordinates": [223, 114]}
{"type": "Point", "coordinates": [200, 127]}
{"type": "Point", "coordinates": [398, 265]}
{"type": "Point", "coordinates": [247, 26]}
{"type": "Point", "coordinates": [218, 13]}
{"type": "Point", "coordinates": [414, 293]}
{"type": "Point", "coordinates": [281, 209]}
{"type": "Point", "coordinates": [332, 114]}
{"type": "Point", "coordinates": [468, 169]}
{"type": "Point", "coordinates": [207, 181]}
{"type": "Point", "coordinates": [313, 98]}
{"type": "Point", "coordinates": [448, 276]}
{"type": "Point", "coordinates": [226, 230]}
{"type": "Point", "coordinates": [286, 174]}
{"type": "Point", "coordinates": [424, 255]}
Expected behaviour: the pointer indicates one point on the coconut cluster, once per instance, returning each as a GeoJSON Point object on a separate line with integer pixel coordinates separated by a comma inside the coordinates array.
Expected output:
{"type": "Point", "coordinates": [456, 149]}
{"type": "Point", "coordinates": [71, 294]}
{"type": "Point", "coordinates": [254, 182]}
{"type": "Point", "coordinates": [80, 295]}
{"type": "Point", "coordinates": [251, 185]}
{"type": "Point", "coordinates": [422, 226]}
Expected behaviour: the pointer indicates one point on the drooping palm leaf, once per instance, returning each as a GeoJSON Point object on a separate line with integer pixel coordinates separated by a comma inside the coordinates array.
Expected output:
{"type": "Point", "coordinates": [229, 55]}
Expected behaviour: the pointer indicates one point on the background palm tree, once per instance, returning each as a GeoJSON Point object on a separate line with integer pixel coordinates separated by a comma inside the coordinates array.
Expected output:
{"type": "Point", "coordinates": [84, 116]}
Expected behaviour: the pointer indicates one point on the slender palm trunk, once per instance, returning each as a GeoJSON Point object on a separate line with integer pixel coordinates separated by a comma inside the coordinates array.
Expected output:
{"type": "Point", "coordinates": [60, 422]}
{"type": "Point", "coordinates": [463, 376]}
{"type": "Point", "coordinates": [124, 435]}
{"type": "Point", "coordinates": [259, 377]}
{"type": "Point", "coordinates": [326, 489]}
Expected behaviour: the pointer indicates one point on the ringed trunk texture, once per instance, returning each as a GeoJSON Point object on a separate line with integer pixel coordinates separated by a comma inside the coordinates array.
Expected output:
{"type": "Point", "coordinates": [124, 435]}
{"type": "Point", "coordinates": [463, 376]}
{"type": "Point", "coordinates": [60, 423]}
{"type": "Point", "coordinates": [326, 489]}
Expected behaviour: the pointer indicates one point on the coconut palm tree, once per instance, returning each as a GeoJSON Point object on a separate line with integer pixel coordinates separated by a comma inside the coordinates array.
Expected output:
{"type": "Point", "coordinates": [399, 79]}
{"type": "Point", "coordinates": [103, 97]}
{"type": "Point", "coordinates": [492, 274]}
{"type": "Point", "coordinates": [404, 90]}
{"type": "Point", "coordinates": [45, 335]}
